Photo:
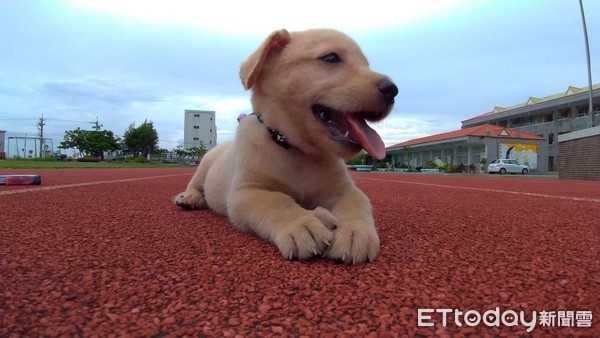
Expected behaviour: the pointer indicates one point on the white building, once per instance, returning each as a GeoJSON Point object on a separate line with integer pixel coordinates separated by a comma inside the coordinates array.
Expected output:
{"type": "Point", "coordinates": [531, 127]}
{"type": "Point", "coordinates": [199, 128]}
{"type": "Point", "coordinates": [2, 147]}
{"type": "Point", "coordinates": [549, 117]}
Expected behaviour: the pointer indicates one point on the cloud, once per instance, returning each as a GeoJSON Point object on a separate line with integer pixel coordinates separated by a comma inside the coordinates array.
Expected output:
{"type": "Point", "coordinates": [93, 92]}
{"type": "Point", "coordinates": [398, 128]}
{"type": "Point", "coordinates": [126, 61]}
{"type": "Point", "coordinates": [259, 17]}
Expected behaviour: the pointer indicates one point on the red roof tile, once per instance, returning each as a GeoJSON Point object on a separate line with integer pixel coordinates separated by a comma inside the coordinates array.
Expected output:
{"type": "Point", "coordinates": [478, 116]}
{"type": "Point", "coordinates": [488, 130]}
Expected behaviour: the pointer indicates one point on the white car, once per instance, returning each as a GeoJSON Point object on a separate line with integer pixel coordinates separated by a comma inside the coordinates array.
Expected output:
{"type": "Point", "coordinates": [503, 166]}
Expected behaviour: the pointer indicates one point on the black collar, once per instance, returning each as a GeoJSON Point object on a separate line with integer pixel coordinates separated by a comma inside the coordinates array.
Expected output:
{"type": "Point", "coordinates": [276, 136]}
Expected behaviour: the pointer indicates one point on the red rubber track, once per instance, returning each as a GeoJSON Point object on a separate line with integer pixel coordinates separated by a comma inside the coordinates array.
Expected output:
{"type": "Point", "coordinates": [100, 252]}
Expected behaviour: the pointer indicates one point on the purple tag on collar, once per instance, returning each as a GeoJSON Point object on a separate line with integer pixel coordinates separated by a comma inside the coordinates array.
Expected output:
{"type": "Point", "coordinates": [240, 117]}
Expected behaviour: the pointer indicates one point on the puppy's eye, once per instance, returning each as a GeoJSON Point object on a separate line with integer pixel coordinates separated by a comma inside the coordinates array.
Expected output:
{"type": "Point", "coordinates": [331, 58]}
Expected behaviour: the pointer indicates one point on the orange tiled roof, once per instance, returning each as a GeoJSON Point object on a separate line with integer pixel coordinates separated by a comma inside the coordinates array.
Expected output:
{"type": "Point", "coordinates": [478, 116]}
{"type": "Point", "coordinates": [488, 130]}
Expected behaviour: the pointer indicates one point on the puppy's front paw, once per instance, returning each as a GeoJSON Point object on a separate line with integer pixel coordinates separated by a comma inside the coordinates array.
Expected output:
{"type": "Point", "coordinates": [307, 236]}
{"type": "Point", "coordinates": [190, 200]}
{"type": "Point", "coordinates": [354, 243]}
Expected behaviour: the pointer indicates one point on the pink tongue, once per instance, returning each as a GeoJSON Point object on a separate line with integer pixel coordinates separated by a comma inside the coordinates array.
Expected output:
{"type": "Point", "coordinates": [366, 137]}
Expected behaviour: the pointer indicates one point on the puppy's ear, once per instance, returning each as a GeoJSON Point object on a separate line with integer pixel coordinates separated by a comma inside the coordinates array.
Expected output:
{"type": "Point", "coordinates": [251, 68]}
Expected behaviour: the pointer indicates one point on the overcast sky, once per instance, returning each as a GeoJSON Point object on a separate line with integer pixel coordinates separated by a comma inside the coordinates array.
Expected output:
{"type": "Point", "coordinates": [127, 61]}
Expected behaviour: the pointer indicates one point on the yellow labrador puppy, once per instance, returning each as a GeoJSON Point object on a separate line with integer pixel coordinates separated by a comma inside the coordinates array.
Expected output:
{"type": "Point", "coordinates": [283, 177]}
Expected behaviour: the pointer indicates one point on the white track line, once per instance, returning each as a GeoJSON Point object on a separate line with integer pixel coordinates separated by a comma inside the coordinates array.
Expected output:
{"type": "Point", "coordinates": [75, 185]}
{"type": "Point", "coordinates": [570, 198]}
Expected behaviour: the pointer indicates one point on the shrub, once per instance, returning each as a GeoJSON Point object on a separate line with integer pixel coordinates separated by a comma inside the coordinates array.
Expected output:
{"type": "Point", "coordinates": [358, 160]}
{"type": "Point", "coordinates": [429, 164]}
{"type": "Point", "coordinates": [132, 159]}
{"type": "Point", "coordinates": [382, 164]}
{"type": "Point", "coordinates": [451, 168]}
{"type": "Point", "coordinates": [88, 159]}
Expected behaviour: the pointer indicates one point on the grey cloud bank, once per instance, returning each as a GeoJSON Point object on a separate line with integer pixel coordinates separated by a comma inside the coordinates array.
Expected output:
{"type": "Point", "coordinates": [73, 63]}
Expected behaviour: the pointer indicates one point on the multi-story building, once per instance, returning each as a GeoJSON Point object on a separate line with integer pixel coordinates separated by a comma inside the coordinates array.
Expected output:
{"type": "Point", "coordinates": [548, 117]}
{"type": "Point", "coordinates": [472, 147]}
{"type": "Point", "coordinates": [2, 148]}
{"type": "Point", "coordinates": [528, 131]}
{"type": "Point", "coordinates": [199, 128]}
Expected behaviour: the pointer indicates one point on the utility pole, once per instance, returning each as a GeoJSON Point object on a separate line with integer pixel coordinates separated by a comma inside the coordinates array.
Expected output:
{"type": "Point", "coordinates": [96, 124]}
{"type": "Point", "coordinates": [40, 126]}
{"type": "Point", "coordinates": [592, 121]}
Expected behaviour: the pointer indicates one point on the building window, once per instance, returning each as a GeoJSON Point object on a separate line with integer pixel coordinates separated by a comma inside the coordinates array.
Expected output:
{"type": "Point", "coordinates": [196, 115]}
{"type": "Point", "coordinates": [551, 139]}
{"type": "Point", "coordinates": [196, 127]}
{"type": "Point", "coordinates": [196, 139]}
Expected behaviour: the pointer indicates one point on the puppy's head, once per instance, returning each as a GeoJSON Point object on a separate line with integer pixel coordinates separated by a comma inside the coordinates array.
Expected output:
{"type": "Point", "coordinates": [316, 88]}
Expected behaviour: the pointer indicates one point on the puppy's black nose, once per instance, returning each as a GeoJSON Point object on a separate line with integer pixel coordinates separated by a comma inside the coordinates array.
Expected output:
{"type": "Point", "coordinates": [388, 89]}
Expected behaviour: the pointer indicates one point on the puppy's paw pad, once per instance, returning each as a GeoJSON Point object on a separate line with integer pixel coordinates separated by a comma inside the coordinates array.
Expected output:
{"type": "Point", "coordinates": [190, 200]}
{"type": "Point", "coordinates": [354, 245]}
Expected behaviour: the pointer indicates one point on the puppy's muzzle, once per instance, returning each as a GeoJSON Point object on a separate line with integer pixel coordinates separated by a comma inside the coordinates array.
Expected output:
{"type": "Point", "coordinates": [388, 89]}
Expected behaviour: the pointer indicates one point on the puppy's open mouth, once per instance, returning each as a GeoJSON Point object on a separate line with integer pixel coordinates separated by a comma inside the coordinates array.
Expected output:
{"type": "Point", "coordinates": [351, 129]}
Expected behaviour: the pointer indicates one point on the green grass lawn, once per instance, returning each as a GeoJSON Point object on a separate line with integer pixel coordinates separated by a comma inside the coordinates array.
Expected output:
{"type": "Point", "coordinates": [54, 164]}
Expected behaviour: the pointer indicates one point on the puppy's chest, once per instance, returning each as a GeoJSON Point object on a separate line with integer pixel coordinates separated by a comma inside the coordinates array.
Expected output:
{"type": "Point", "coordinates": [309, 186]}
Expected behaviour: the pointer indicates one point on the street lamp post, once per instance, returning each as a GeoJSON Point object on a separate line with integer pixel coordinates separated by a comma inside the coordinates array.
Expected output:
{"type": "Point", "coordinates": [592, 121]}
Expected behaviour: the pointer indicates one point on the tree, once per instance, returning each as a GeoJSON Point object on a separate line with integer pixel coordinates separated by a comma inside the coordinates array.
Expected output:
{"type": "Point", "coordinates": [99, 141]}
{"type": "Point", "coordinates": [408, 151]}
{"type": "Point", "coordinates": [181, 153]}
{"type": "Point", "coordinates": [198, 152]}
{"type": "Point", "coordinates": [141, 140]}
{"type": "Point", "coordinates": [74, 139]}
{"type": "Point", "coordinates": [195, 153]}
{"type": "Point", "coordinates": [90, 142]}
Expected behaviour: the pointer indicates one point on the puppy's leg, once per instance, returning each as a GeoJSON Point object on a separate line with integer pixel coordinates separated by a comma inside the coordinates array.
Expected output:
{"type": "Point", "coordinates": [193, 198]}
{"type": "Point", "coordinates": [355, 239]}
{"type": "Point", "coordinates": [277, 218]}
